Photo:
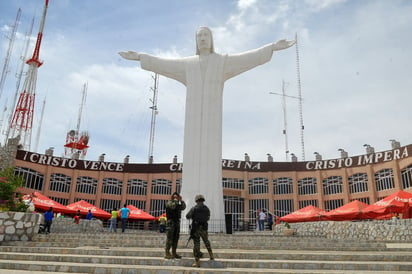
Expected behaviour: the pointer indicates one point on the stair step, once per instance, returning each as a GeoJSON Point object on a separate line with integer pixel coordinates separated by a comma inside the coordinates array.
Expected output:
{"type": "Point", "coordinates": [165, 269]}
{"type": "Point", "coordinates": [399, 256]}
{"type": "Point", "coordinates": [227, 263]}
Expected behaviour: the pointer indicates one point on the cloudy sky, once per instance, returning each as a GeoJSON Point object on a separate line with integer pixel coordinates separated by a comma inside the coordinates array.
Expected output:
{"type": "Point", "coordinates": [355, 73]}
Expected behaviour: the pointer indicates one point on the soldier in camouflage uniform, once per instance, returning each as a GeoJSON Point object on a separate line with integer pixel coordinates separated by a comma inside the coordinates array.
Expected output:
{"type": "Point", "coordinates": [174, 209]}
{"type": "Point", "coordinates": [200, 215]}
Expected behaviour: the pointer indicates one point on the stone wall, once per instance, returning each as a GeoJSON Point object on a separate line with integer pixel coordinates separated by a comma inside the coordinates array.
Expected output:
{"type": "Point", "coordinates": [64, 225]}
{"type": "Point", "coordinates": [378, 230]}
{"type": "Point", "coordinates": [19, 226]}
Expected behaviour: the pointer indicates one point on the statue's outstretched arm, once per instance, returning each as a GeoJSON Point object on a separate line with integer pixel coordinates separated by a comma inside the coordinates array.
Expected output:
{"type": "Point", "coordinates": [283, 44]}
{"type": "Point", "coordinates": [130, 55]}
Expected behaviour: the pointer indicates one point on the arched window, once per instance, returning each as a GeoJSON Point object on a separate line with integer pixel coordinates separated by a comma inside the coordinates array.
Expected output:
{"type": "Point", "coordinates": [258, 186]}
{"type": "Point", "coordinates": [233, 183]}
{"type": "Point", "coordinates": [112, 186]}
{"type": "Point", "coordinates": [32, 178]}
{"type": "Point", "coordinates": [86, 184]}
{"type": "Point", "coordinates": [384, 179]}
{"type": "Point", "coordinates": [283, 185]}
{"type": "Point", "coordinates": [358, 183]}
{"type": "Point", "coordinates": [60, 182]}
{"type": "Point", "coordinates": [307, 186]}
{"type": "Point", "coordinates": [137, 187]}
{"type": "Point", "coordinates": [332, 185]}
{"type": "Point", "coordinates": [162, 186]}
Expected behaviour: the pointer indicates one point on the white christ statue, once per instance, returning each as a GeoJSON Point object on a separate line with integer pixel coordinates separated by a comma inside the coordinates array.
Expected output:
{"type": "Point", "coordinates": [204, 75]}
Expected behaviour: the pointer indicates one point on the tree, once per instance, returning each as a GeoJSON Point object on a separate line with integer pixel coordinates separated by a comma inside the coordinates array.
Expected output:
{"type": "Point", "coordinates": [10, 198]}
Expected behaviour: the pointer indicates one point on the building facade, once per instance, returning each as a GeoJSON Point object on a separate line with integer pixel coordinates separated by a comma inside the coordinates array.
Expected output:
{"type": "Point", "coordinates": [278, 187]}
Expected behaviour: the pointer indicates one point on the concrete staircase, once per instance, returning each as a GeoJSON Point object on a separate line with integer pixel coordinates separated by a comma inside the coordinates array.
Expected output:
{"type": "Point", "coordinates": [243, 252]}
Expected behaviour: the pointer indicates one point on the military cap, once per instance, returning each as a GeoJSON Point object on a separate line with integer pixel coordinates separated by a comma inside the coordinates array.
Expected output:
{"type": "Point", "coordinates": [200, 198]}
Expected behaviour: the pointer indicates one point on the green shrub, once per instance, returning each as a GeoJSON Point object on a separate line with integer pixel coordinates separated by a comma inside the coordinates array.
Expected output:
{"type": "Point", "coordinates": [10, 198]}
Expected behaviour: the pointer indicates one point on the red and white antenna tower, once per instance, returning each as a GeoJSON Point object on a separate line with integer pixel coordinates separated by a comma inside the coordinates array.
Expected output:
{"type": "Point", "coordinates": [22, 121]}
{"type": "Point", "coordinates": [77, 142]}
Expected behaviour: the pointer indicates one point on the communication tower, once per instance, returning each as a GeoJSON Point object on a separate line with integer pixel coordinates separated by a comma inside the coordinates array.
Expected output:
{"type": "Point", "coordinates": [154, 113]}
{"type": "Point", "coordinates": [22, 121]}
{"type": "Point", "coordinates": [302, 127]}
{"type": "Point", "coordinates": [19, 75]}
{"type": "Point", "coordinates": [9, 50]}
{"type": "Point", "coordinates": [76, 141]}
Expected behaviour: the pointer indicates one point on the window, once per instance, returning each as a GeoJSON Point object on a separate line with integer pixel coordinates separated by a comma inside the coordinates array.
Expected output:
{"type": "Point", "coordinates": [108, 205]}
{"type": "Point", "coordinates": [254, 206]}
{"type": "Point", "coordinates": [136, 187]}
{"type": "Point", "coordinates": [62, 201]}
{"type": "Point", "coordinates": [157, 207]}
{"type": "Point", "coordinates": [258, 186]}
{"type": "Point", "coordinates": [32, 178]}
{"type": "Point", "coordinates": [283, 207]}
{"type": "Point", "coordinates": [178, 185]}
{"type": "Point", "coordinates": [235, 206]}
{"type": "Point", "coordinates": [363, 200]}
{"type": "Point", "coordinates": [307, 186]}
{"type": "Point", "coordinates": [384, 179]}
{"type": "Point", "coordinates": [406, 175]}
{"type": "Point", "coordinates": [162, 186]}
{"type": "Point", "coordinates": [86, 185]}
{"type": "Point", "coordinates": [112, 186]}
{"type": "Point", "coordinates": [137, 203]}
{"type": "Point", "coordinates": [332, 185]}
{"type": "Point", "coordinates": [333, 204]}
{"type": "Point", "coordinates": [358, 183]}
{"type": "Point", "coordinates": [282, 185]}
{"type": "Point", "coordinates": [306, 203]}
{"type": "Point", "coordinates": [60, 182]}
{"type": "Point", "coordinates": [233, 183]}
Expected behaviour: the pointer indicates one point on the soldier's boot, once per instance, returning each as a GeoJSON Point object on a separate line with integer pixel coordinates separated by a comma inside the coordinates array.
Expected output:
{"type": "Point", "coordinates": [175, 255]}
{"type": "Point", "coordinates": [168, 255]}
{"type": "Point", "coordinates": [196, 263]}
{"type": "Point", "coordinates": [212, 257]}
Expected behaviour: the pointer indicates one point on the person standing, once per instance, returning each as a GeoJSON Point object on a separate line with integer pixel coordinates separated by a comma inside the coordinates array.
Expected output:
{"type": "Point", "coordinates": [262, 218]}
{"type": "Point", "coordinates": [200, 215]}
{"type": "Point", "coordinates": [270, 221]}
{"type": "Point", "coordinates": [174, 209]}
{"type": "Point", "coordinates": [48, 219]}
{"type": "Point", "coordinates": [89, 215]}
{"type": "Point", "coordinates": [113, 220]}
{"type": "Point", "coordinates": [124, 214]}
{"type": "Point", "coordinates": [162, 223]}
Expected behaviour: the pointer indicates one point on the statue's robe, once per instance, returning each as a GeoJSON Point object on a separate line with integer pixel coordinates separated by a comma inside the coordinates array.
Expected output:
{"type": "Point", "coordinates": [204, 77]}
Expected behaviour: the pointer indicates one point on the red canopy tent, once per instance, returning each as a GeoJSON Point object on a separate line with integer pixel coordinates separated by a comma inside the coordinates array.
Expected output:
{"type": "Point", "coordinates": [84, 207]}
{"type": "Point", "coordinates": [44, 203]}
{"type": "Point", "coordinates": [307, 214]}
{"type": "Point", "coordinates": [350, 211]}
{"type": "Point", "coordinates": [394, 203]}
{"type": "Point", "coordinates": [138, 214]}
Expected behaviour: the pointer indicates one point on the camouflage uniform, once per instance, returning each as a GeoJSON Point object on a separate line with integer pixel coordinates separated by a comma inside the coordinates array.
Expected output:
{"type": "Point", "coordinates": [173, 214]}
{"type": "Point", "coordinates": [200, 214]}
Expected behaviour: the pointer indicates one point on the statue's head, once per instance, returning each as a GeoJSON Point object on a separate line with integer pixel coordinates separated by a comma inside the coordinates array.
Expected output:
{"type": "Point", "coordinates": [204, 40]}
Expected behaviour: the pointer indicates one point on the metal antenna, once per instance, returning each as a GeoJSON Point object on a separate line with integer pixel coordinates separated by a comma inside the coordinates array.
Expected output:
{"type": "Point", "coordinates": [154, 113]}
{"type": "Point", "coordinates": [9, 50]}
{"type": "Point", "coordinates": [285, 123]}
{"type": "Point", "coordinates": [19, 75]}
{"type": "Point", "coordinates": [302, 139]}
